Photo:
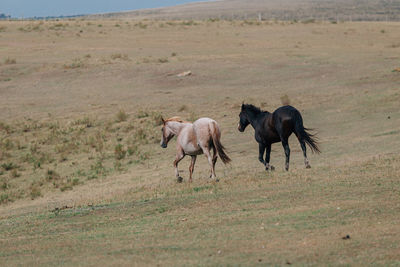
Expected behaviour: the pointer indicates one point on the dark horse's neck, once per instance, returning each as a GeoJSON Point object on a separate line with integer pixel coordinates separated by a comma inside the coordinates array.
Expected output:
{"type": "Point", "coordinates": [256, 115]}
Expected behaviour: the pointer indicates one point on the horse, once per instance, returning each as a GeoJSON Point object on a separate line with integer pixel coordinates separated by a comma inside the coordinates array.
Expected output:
{"type": "Point", "coordinates": [277, 127]}
{"type": "Point", "coordinates": [194, 139]}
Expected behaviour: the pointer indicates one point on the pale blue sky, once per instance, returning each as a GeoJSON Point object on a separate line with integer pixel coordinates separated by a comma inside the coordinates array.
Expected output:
{"type": "Point", "coordinates": [43, 8]}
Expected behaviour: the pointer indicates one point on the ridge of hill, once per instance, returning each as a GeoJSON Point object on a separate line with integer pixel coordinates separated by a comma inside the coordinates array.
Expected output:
{"type": "Point", "coordinates": [333, 10]}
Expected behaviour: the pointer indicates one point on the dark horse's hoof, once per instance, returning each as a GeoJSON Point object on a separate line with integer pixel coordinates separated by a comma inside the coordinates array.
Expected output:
{"type": "Point", "coordinates": [179, 179]}
{"type": "Point", "coordinates": [270, 168]}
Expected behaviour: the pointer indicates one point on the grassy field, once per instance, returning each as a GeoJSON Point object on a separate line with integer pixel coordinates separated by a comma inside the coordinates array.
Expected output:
{"type": "Point", "coordinates": [83, 180]}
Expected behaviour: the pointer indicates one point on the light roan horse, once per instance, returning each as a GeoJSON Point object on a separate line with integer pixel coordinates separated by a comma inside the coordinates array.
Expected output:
{"type": "Point", "coordinates": [194, 139]}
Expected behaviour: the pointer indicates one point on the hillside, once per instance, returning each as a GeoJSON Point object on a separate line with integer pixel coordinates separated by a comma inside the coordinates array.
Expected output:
{"type": "Point", "coordinates": [84, 181]}
{"type": "Point", "coordinates": [344, 10]}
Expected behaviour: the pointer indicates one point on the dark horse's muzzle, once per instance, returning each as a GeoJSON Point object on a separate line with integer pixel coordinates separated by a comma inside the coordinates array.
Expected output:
{"type": "Point", "coordinates": [240, 128]}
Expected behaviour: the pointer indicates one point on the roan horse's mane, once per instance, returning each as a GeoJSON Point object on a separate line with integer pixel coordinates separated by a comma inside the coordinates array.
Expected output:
{"type": "Point", "coordinates": [177, 119]}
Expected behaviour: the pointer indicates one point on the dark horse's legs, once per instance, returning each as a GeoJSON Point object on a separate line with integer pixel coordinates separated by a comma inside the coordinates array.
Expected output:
{"type": "Point", "coordinates": [261, 151]}
{"type": "Point", "coordinates": [267, 157]}
{"type": "Point", "coordinates": [285, 145]}
{"type": "Point", "coordinates": [303, 147]}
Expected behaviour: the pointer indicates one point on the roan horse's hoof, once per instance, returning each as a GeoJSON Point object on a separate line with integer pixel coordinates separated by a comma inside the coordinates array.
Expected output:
{"type": "Point", "coordinates": [308, 166]}
{"type": "Point", "coordinates": [179, 179]}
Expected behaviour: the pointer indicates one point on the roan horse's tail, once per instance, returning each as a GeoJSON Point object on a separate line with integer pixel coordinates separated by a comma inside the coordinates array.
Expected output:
{"type": "Point", "coordinates": [216, 136]}
{"type": "Point", "coordinates": [304, 134]}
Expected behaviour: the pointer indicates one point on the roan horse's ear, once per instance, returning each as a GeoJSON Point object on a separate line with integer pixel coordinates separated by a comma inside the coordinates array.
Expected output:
{"type": "Point", "coordinates": [162, 119]}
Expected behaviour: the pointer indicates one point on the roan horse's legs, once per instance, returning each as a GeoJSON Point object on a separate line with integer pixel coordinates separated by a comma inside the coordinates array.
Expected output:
{"type": "Point", "coordinates": [179, 156]}
{"type": "Point", "coordinates": [207, 153]}
{"type": "Point", "coordinates": [214, 157]}
{"type": "Point", "coordinates": [191, 167]}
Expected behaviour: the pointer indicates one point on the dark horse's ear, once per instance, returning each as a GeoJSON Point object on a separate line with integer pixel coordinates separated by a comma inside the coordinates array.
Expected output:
{"type": "Point", "coordinates": [242, 105]}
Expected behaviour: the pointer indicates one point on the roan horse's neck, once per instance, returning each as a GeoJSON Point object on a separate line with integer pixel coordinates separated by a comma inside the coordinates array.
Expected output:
{"type": "Point", "coordinates": [176, 127]}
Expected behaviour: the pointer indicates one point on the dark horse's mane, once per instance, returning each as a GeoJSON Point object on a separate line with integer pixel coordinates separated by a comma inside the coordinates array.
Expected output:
{"type": "Point", "coordinates": [253, 109]}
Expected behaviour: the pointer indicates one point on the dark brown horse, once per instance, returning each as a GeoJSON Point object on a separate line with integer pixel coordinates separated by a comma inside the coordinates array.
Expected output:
{"type": "Point", "coordinates": [277, 127]}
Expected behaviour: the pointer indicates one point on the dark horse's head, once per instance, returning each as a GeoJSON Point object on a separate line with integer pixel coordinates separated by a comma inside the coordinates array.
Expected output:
{"type": "Point", "coordinates": [247, 113]}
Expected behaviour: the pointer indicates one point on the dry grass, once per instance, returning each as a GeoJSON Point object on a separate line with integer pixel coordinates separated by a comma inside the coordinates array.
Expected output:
{"type": "Point", "coordinates": [83, 183]}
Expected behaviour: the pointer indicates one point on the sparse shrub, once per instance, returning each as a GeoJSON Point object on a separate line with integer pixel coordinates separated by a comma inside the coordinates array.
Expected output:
{"type": "Point", "coordinates": [163, 60]}
{"type": "Point", "coordinates": [4, 198]}
{"type": "Point", "coordinates": [142, 114]}
{"type": "Point", "coordinates": [14, 173]}
{"type": "Point", "coordinates": [307, 21]}
{"type": "Point", "coordinates": [192, 116]}
{"type": "Point", "coordinates": [9, 166]}
{"type": "Point", "coordinates": [5, 127]}
{"type": "Point", "coordinates": [52, 175]}
{"type": "Point", "coordinates": [9, 61]}
{"type": "Point", "coordinates": [76, 63]}
{"type": "Point", "coordinates": [87, 55]}
{"type": "Point", "coordinates": [99, 25]}
{"type": "Point", "coordinates": [75, 181]}
{"type": "Point", "coordinates": [66, 148]}
{"type": "Point", "coordinates": [140, 135]}
{"type": "Point", "coordinates": [157, 118]}
{"type": "Point", "coordinates": [88, 122]}
{"type": "Point", "coordinates": [117, 166]}
{"type": "Point", "coordinates": [383, 31]}
{"type": "Point", "coordinates": [119, 56]}
{"type": "Point", "coordinates": [63, 157]}
{"type": "Point", "coordinates": [98, 167]}
{"type": "Point", "coordinates": [213, 19]}
{"type": "Point", "coordinates": [65, 187]}
{"type": "Point", "coordinates": [7, 144]}
{"type": "Point", "coordinates": [121, 116]}
{"type": "Point", "coordinates": [35, 191]}
{"type": "Point", "coordinates": [4, 185]}
{"type": "Point", "coordinates": [285, 100]}
{"type": "Point", "coordinates": [132, 149]}
{"type": "Point", "coordinates": [119, 152]}
{"type": "Point", "coordinates": [141, 25]}
{"type": "Point", "coordinates": [143, 156]}
{"type": "Point", "coordinates": [182, 108]}
{"type": "Point", "coordinates": [188, 23]}
{"type": "Point", "coordinates": [3, 28]}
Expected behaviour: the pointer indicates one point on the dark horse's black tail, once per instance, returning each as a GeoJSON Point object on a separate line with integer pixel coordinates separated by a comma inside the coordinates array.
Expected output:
{"type": "Point", "coordinates": [303, 134]}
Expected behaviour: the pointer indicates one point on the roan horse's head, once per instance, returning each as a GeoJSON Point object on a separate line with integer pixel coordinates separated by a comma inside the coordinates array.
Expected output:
{"type": "Point", "coordinates": [167, 133]}
{"type": "Point", "coordinates": [243, 119]}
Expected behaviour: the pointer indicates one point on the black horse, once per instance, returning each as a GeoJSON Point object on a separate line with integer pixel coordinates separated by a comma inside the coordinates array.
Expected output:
{"type": "Point", "coordinates": [276, 127]}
